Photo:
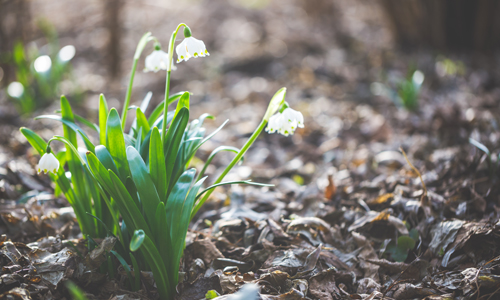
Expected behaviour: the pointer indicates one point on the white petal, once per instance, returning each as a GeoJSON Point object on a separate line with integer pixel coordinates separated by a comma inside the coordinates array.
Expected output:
{"type": "Point", "coordinates": [190, 47]}
{"type": "Point", "coordinates": [273, 125]}
{"type": "Point", "coordinates": [182, 53]}
{"type": "Point", "coordinates": [48, 163]}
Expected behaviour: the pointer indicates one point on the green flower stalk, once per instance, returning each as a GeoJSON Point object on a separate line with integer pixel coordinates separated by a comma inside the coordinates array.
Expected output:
{"type": "Point", "coordinates": [283, 122]}
{"type": "Point", "coordinates": [138, 51]}
{"type": "Point", "coordinates": [189, 47]}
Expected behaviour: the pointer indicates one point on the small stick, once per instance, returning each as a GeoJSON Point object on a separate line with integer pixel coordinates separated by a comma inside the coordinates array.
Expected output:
{"type": "Point", "coordinates": [418, 173]}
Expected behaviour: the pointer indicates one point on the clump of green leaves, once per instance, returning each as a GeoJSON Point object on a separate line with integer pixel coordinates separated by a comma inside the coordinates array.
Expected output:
{"type": "Point", "coordinates": [408, 89]}
{"type": "Point", "coordinates": [137, 186]}
{"type": "Point", "coordinates": [403, 91]}
{"type": "Point", "coordinates": [39, 73]}
{"type": "Point", "coordinates": [398, 249]}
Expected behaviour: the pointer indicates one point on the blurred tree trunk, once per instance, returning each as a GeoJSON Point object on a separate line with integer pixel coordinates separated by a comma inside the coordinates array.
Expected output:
{"type": "Point", "coordinates": [452, 25]}
{"type": "Point", "coordinates": [15, 22]}
{"type": "Point", "coordinates": [113, 10]}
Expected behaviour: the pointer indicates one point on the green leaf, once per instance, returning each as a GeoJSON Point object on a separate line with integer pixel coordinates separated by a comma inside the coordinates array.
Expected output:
{"type": "Point", "coordinates": [34, 139]}
{"type": "Point", "coordinates": [103, 118]}
{"type": "Point", "coordinates": [142, 122]}
{"type": "Point", "coordinates": [100, 172]}
{"type": "Point", "coordinates": [178, 211]}
{"type": "Point", "coordinates": [163, 238]}
{"type": "Point", "coordinates": [249, 182]}
{"type": "Point", "coordinates": [81, 207]}
{"type": "Point", "coordinates": [143, 108]}
{"type": "Point", "coordinates": [75, 291]}
{"type": "Point", "coordinates": [155, 261]}
{"type": "Point", "coordinates": [115, 143]}
{"type": "Point", "coordinates": [144, 183]}
{"type": "Point", "coordinates": [129, 210]}
{"type": "Point", "coordinates": [105, 158]}
{"type": "Point", "coordinates": [480, 146]}
{"type": "Point", "coordinates": [200, 203]}
{"type": "Point", "coordinates": [172, 142]}
{"type": "Point", "coordinates": [75, 168]}
{"type": "Point", "coordinates": [157, 163]}
{"type": "Point", "coordinates": [183, 102]}
{"type": "Point", "coordinates": [399, 252]}
{"type": "Point", "coordinates": [125, 266]}
{"type": "Point", "coordinates": [137, 273]}
{"type": "Point", "coordinates": [212, 294]}
{"type": "Point", "coordinates": [198, 145]}
{"type": "Point", "coordinates": [71, 125]}
{"type": "Point", "coordinates": [212, 155]}
{"type": "Point", "coordinates": [158, 111]}
{"type": "Point", "coordinates": [84, 121]}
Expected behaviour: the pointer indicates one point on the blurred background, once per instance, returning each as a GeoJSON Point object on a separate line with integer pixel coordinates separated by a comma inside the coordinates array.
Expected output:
{"type": "Point", "coordinates": [368, 75]}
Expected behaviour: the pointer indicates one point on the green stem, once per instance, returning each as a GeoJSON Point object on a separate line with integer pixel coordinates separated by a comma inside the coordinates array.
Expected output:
{"type": "Point", "coordinates": [165, 106]}
{"type": "Point", "coordinates": [138, 51]}
{"type": "Point", "coordinates": [167, 80]}
{"type": "Point", "coordinates": [235, 160]}
{"type": "Point", "coordinates": [129, 93]}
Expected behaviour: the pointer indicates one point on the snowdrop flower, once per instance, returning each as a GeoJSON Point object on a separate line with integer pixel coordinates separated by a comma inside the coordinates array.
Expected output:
{"type": "Point", "coordinates": [190, 47]}
{"type": "Point", "coordinates": [285, 122]}
{"type": "Point", "coordinates": [158, 60]}
{"type": "Point", "coordinates": [48, 163]}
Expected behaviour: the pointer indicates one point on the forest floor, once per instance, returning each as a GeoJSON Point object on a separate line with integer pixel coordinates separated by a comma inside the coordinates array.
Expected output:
{"type": "Point", "coordinates": [349, 217]}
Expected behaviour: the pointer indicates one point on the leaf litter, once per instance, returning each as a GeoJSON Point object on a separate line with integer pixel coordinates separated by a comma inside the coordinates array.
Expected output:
{"type": "Point", "coordinates": [351, 216]}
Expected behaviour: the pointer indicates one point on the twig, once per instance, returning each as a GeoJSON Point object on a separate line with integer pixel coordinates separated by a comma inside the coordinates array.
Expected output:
{"type": "Point", "coordinates": [418, 173]}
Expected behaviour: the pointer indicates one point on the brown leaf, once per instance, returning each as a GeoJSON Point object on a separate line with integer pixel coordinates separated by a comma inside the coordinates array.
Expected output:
{"type": "Point", "coordinates": [331, 188]}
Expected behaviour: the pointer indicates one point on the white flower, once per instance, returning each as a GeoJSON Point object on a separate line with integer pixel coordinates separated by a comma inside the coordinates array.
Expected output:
{"type": "Point", "coordinates": [285, 122]}
{"type": "Point", "coordinates": [158, 60]}
{"type": "Point", "coordinates": [190, 47]}
{"type": "Point", "coordinates": [48, 163]}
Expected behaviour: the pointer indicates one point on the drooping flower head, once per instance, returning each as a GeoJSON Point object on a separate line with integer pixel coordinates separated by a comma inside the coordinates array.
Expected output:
{"type": "Point", "coordinates": [285, 122]}
{"type": "Point", "coordinates": [190, 47]}
{"type": "Point", "coordinates": [157, 60]}
{"type": "Point", "coordinates": [48, 163]}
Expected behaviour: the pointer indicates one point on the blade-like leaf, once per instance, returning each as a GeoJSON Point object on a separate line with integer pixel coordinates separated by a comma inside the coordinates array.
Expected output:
{"type": "Point", "coordinates": [212, 155]}
{"type": "Point", "coordinates": [158, 111]}
{"type": "Point", "coordinates": [157, 164]}
{"type": "Point", "coordinates": [146, 188]}
{"type": "Point", "coordinates": [173, 140]}
{"type": "Point", "coordinates": [71, 125]}
{"type": "Point", "coordinates": [115, 143]}
{"type": "Point", "coordinates": [131, 214]}
{"type": "Point", "coordinates": [75, 164]}
{"type": "Point", "coordinates": [155, 261]}
{"type": "Point", "coordinates": [103, 118]}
